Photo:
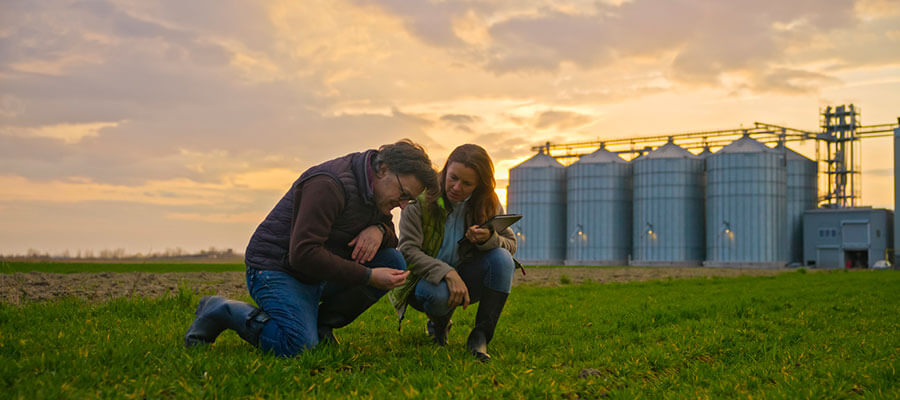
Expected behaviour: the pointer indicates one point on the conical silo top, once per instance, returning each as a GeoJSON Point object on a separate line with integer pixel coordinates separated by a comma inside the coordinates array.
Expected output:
{"type": "Point", "coordinates": [601, 156]}
{"type": "Point", "coordinates": [791, 155]}
{"type": "Point", "coordinates": [746, 144]}
{"type": "Point", "coordinates": [540, 160]}
{"type": "Point", "coordinates": [705, 153]}
{"type": "Point", "coordinates": [670, 150]}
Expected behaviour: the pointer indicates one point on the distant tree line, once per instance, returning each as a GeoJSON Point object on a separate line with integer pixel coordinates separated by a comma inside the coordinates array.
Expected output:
{"type": "Point", "coordinates": [120, 254]}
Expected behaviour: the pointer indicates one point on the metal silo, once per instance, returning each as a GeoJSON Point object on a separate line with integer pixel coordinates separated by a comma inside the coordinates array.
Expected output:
{"type": "Point", "coordinates": [746, 206]}
{"type": "Point", "coordinates": [537, 190]}
{"type": "Point", "coordinates": [598, 224]}
{"type": "Point", "coordinates": [802, 195]}
{"type": "Point", "coordinates": [668, 208]}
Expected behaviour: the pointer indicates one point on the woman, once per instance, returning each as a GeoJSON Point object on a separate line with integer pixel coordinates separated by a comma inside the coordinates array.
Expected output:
{"type": "Point", "coordinates": [452, 261]}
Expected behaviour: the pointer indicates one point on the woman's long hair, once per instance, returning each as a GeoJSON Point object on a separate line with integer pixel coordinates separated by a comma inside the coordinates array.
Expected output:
{"type": "Point", "coordinates": [484, 202]}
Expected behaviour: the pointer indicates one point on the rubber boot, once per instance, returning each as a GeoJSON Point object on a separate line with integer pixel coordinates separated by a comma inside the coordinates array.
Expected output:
{"type": "Point", "coordinates": [342, 309]}
{"type": "Point", "coordinates": [216, 313]}
{"type": "Point", "coordinates": [489, 309]}
{"type": "Point", "coordinates": [439, 329]}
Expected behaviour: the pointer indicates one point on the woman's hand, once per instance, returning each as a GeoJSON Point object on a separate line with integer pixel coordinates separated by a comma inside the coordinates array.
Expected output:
{"type": "Point", "coordinates": [459, 293]}
{"type": "Point", "coordinates": [366, 244]}
{"type": "Point", "coordinates": [478, 235]}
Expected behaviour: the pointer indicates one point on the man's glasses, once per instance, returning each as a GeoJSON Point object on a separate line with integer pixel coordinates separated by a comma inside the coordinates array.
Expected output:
{"type": "Point", "coordinates": [404, 195]}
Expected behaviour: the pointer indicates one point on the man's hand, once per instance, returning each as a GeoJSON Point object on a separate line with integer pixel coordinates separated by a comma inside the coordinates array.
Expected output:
{"type": "Point", "coordinates": [366, 244]}
{"type": "Point", "coordinates": [387, 278]}
{"type": "Point", "coordinates": [478, 235]}
{"type": "Point", "coordinates": [459, 293]}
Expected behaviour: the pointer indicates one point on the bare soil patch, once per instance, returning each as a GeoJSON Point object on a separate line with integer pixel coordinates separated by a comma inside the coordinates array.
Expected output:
{"type": "Point", "coordinates": [19, 288]}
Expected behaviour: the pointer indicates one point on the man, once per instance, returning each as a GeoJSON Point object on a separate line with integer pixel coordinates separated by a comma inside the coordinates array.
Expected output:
{"type": "Point", "coordinates": [324, 254]}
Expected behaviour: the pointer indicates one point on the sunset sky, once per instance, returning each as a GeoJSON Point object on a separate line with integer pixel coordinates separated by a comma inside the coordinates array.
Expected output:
{"type": "Point", "coordinates": [152, 125]}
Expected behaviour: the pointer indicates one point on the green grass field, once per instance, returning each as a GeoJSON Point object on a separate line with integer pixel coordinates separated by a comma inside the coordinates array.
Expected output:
{"type": "Point", "coordinates": [795, 335]}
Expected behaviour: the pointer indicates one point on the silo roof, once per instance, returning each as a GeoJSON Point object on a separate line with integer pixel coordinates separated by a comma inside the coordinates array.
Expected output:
{"type": "Point", "coordinates": [540, 160]}
{"type": "Point", "coordinates": [790, 154]}
{"type": "Point", "coordinates": [745, 144]}
{"type": "Point", "coordinates": [670, 150]}
{"type": "Point", "coordinates": [602, 155]}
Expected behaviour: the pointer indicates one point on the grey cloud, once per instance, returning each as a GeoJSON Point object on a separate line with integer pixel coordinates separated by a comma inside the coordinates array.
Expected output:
{"type": "Point", "coordinates": [49, 33]}
{"type": "Point", "coordinates": [149, 149]}
{"type": "Point", "coordinates": [429, 21]}
{"type": "Point", "coordinates": [246, 21]}
{"type": "Point", "coordinates": [561, 120]}
{"type": "Point", "coordinates": [791, 81]}
{"type": "Point", "coordinates": [411, 119]}
{"type": "Point", "coordinates": [183, 98]}
{"type": "Point", "coordinates": [715, 37]}
{"type": "Point", "coordinates": [461, 122]}
{"type": "Point", "coordinates": [169, 87]}
{"type": "Point", "coordinates": [544, 42]}
{"type": "Point", "coordinates": [708, 39]}
{"type": "Point", "coordinates": [460, 118]}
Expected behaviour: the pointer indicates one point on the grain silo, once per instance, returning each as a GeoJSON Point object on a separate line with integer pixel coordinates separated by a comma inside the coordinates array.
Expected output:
{"type": "Point", "coordinates": [598, 227]}
{"type": "Point", "coordinates": [802, 195]}
{"type": "Point", "coordinates": [746, 206]}
{"type": "Point", "coordinates": [537, 190]}
{"type": "Point", "coordinates": [668, 208]}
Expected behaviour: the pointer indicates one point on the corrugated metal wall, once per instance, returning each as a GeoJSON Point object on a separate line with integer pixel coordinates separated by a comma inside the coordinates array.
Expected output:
{"type": "Point", "coordinates": [746, 205]}
{"type": "Point", "coordinates": [668, 208]}
{"type": "Point", "coordinates": [802, 195]}
{"type": "Point", "coordinates": [598, 210]}
{"type": "Point", "coordinates": [537, 190]}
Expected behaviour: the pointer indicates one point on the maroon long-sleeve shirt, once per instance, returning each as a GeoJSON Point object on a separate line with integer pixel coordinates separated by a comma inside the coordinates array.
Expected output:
{"type": "Point", "coordinates": [317, 204]}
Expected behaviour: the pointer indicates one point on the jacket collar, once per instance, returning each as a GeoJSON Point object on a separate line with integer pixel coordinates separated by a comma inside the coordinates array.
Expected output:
{"type": "Point", "coordinates": [364, 171]}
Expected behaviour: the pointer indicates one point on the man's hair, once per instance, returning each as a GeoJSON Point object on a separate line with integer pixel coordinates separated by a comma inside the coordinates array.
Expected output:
{"type": "Point", "coordinates": [408, 158]}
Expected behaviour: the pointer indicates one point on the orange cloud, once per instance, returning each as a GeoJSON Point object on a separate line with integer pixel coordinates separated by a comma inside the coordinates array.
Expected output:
{"type": "Point", "coordinates": [68, 133]}
{"type": "Point", "coordinates": [172, 192]}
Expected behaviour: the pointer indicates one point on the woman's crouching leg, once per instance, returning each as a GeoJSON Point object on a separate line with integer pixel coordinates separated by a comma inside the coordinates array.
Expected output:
{"type": "Point", "coordinates": [498, 266]}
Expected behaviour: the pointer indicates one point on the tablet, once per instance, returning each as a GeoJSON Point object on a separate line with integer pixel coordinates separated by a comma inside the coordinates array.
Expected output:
{"type": "Point", "coordinates": [500, 222]}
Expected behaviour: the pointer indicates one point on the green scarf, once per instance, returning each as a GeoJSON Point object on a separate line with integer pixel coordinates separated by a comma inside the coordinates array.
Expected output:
{"type": "Point", "coordinates": [432, 238]}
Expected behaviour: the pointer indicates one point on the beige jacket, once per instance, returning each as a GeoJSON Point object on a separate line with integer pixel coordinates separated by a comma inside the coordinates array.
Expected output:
{"type": "Point", "coordinates": [430, 268]}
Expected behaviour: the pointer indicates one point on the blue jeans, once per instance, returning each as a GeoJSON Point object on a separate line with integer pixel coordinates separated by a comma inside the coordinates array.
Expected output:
{"type": "Point", "coordinates": [294, 306]}
{"type": "Point", "coordinates": [492, 269]}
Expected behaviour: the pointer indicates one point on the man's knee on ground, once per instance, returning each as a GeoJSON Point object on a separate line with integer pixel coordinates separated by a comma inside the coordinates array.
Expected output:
{"type": "Point", "coordinates": [290, 342]}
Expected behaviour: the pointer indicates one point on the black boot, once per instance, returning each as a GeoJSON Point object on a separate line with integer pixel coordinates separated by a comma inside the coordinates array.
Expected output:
{"type": "Point", "coordinates": [342, 309]}
{"type": "Point", "coordinates": [489, 310]}
{"type": "Point", "coordinates": [439, 329]}
{"type": "Point", "coordinates": [216, 313]}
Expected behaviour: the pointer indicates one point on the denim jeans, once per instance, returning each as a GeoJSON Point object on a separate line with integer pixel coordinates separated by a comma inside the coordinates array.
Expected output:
{"type": "Point", "coordinates": [492, 269]}
{"type": "Point", "coordinates": [294, 306]}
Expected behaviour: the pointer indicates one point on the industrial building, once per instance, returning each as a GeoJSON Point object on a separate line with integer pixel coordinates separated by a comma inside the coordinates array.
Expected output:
{"type": "Point", "coordinates": [744, 200]}
{"type": "Point", "coordinates": [853, 237]}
